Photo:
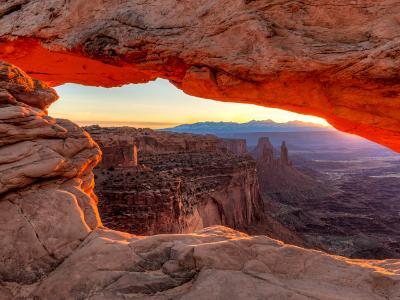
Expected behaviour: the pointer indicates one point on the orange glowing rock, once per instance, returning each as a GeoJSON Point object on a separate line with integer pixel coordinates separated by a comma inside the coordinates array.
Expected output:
{"type": "Point", "coordinates": [337, 61]}
{"type": "Point", "coordinates": [369, 113]}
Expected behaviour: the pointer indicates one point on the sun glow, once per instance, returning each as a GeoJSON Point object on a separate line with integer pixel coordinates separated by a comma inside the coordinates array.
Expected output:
{"type": "Point", "coordinates": [156, 104]}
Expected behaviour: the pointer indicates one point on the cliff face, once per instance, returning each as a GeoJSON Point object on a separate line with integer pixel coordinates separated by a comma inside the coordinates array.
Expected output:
{"type": "Point", "coordinates": [333, 59]}
{"type": "Point", "coordinates": [184, 182]}
{"type": "Point", "coordinates": [236, 146]}
{"type": "Point", "coordinates": [53, 246]}
{"type": "Point", "coordinates": [277, 175]}
{"type": "Point", "coordinates": [159, 142]}
{"type": "Point", "coordinates": [47, 205]}
{"type": "Point", "coordinates": [280, 182]}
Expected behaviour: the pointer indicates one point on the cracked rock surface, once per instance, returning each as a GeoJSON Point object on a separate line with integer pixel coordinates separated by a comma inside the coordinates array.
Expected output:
{"type": "Point", "coordinates": [214, 263]}
{"type": "Point", "coordinates": [337, 59]}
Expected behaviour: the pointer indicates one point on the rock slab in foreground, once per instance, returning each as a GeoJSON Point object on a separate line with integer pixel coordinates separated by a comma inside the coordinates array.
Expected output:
{"type": "Point", "coordinates": [214, 263]}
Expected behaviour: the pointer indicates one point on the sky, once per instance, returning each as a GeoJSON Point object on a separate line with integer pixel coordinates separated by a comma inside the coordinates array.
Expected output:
{"type": "Point", "coordinates": [157, 104]}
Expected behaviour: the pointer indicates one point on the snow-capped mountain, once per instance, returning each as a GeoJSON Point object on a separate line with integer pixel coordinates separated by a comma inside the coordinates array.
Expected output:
{"type": "Point", "coordinates": [252, 126]}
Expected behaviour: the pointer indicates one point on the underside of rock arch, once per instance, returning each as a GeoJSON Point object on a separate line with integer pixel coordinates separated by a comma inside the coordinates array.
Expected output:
{"type": "Point", "coordinates": [335, 59]}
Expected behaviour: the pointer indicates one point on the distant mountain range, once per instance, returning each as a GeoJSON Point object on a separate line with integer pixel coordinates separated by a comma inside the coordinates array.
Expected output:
{"type": "Point", "coordinates": [252, 126]}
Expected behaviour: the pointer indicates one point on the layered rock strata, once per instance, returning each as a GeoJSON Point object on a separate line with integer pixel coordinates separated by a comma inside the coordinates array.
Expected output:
{"type": "Point", "coordinates": [278, 174]}
{"type": "Point", "coordinates": [150, 142]}
{"type": "Point", "coordinates": [184, 182]}
{"type": "Point", "coordinates": [280, 182]}
{"type": "Point", "coordinates": [236, 146]}
{"type": "Point", "coordinates": [47, 205]}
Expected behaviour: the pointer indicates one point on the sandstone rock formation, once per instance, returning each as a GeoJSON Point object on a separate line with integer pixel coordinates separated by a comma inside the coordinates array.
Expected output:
{"type": "Point", "coordinates": [333, 59]}
{"type": "Point", "coordinates": [236, 146]}
{"type": "Point", "coordinates": [54, 247]}
{"type": "Point", "coordinates": [264, 151]}
{"type": "Point", "coordinates": [184, 182]}
{"type": "Point", "coordinates": [338, 207]}
{"type": "Point", "coordinates": [118, 151]}
{"type": "Point", "coordinates": [280, 182]}
{"type": "Point", "coordinates": [159, 142]}
{"type": "Point", "coordinates": [278, 174]}
{"type": "Point", "coordinates": [47, 205]}
{"type": "Point", "coordinates": [285, 155]}
{"type": "Point", "coordinates": [215, 263]}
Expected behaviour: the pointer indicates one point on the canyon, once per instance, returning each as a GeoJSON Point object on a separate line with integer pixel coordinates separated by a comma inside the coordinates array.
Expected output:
{"type": "Point", "coordinates": [334, 59]}
{"type": "Point", "coordinates": [339, 194]}
{"type": "Point", "coordinates": [355, 214]}
{"type": "Point", "coordinates": [345, 207]}
{"type": "Point", "coordinates": [181, 183]}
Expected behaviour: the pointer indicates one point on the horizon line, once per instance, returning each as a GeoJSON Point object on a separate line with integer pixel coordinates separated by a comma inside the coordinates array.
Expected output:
{"type": "Point", "coordinates": [166, 125]}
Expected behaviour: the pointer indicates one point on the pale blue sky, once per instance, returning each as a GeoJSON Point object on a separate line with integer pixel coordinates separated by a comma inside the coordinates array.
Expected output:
{"type": "Point", "coordinates": [156, 104]}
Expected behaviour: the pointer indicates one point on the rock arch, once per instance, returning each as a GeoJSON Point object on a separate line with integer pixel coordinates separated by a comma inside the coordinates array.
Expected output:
{"type": "Point", "coordinates": [335, 59]}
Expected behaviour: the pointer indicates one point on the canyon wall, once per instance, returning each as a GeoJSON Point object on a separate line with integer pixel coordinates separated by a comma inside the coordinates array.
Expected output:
{"type": "Point", "coordinates": [183, 183]}
{"type": "Point", "coordinates": [277, 174]}
{"type": "Point", "coordinates": [151, 142]}
{"type": "Point", "coordinates": [236, 146]}
{"type": "Point", "coordinates": [280, 182]}
{"type": "Point", "coordinates": [334, 59]}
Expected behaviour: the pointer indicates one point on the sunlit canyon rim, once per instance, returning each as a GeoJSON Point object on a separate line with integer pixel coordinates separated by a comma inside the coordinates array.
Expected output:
{"type": "Point", "coordinates": [334, 59]}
